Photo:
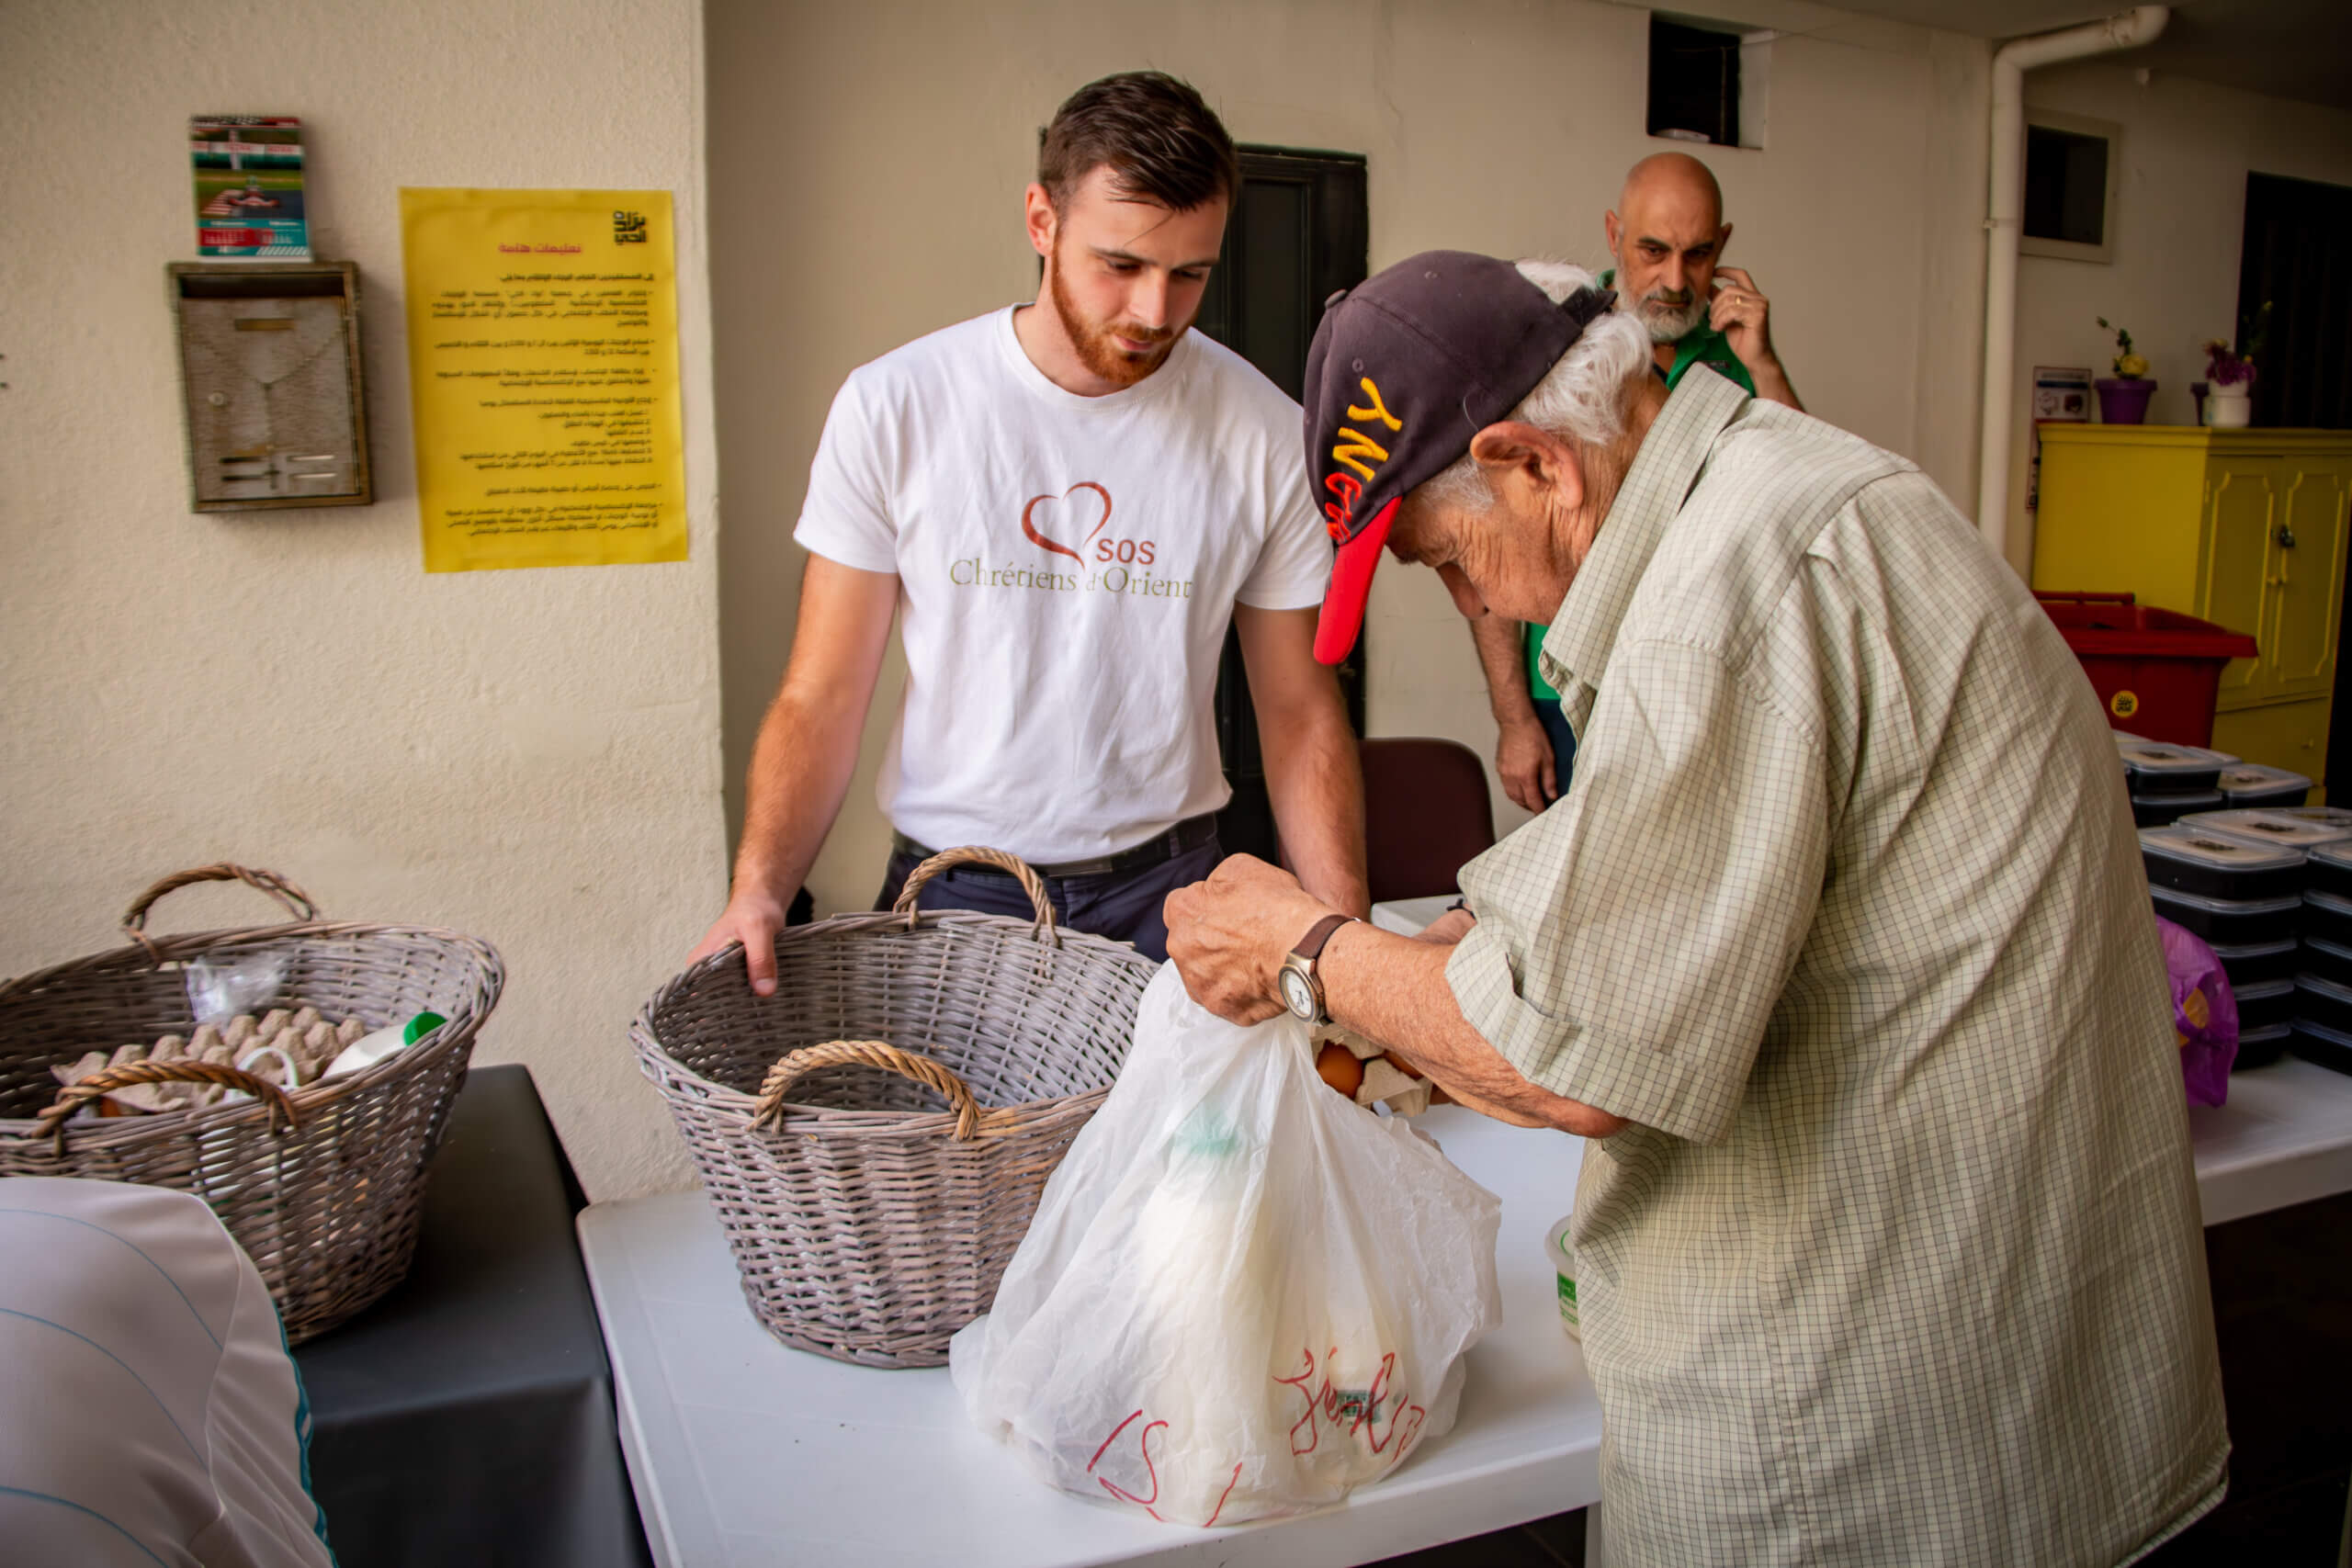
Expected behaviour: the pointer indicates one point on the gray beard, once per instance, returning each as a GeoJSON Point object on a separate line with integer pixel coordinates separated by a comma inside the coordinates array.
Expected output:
{"type": "Point", "coordinates": [1669, 323]}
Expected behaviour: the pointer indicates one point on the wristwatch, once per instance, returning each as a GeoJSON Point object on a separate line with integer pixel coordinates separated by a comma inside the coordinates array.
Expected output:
{"type": "Point", "coordinates": [1302, 988]}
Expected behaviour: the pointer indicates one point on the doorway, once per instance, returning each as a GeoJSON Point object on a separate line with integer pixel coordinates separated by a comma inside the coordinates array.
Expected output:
{"type": "Point", "coordinates": [2295, 312]}
{"type": "Point", "coordinates": [1299, 233]}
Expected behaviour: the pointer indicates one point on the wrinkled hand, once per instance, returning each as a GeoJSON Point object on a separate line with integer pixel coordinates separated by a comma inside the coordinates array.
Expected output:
{"type": "Point", "coordinates": [1524, 757]}
{"type": "Point", "coordinates": [1447, 928]}
{"type": "Point", "coordinates": [1742, 314]}
{"type": "Point", "coordinates": [751, 919]}
{"type": "Point", "coordinates": [1228, 935]}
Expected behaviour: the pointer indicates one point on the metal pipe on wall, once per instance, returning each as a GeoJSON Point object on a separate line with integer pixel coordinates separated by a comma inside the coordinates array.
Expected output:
{"type": "Point", "coordinates": [2005, 223]}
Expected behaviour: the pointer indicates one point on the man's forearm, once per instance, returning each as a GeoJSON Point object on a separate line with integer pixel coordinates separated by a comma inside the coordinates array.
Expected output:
{"type": "Point", "coordinates": [1773, 384]}
{"type": "Point", "coordinates": [1392, 989]}
{"type": "Point", "coordinates": [1315, 781]}
{"type": "Point", "coordinates": [1497, 639]}
{"type": "Point", "coordinates": [801, 766]}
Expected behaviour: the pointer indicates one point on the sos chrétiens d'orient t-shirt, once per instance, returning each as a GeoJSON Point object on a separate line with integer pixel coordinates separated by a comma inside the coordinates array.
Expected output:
{"type": "Point", "coordinates": [1068, 567]}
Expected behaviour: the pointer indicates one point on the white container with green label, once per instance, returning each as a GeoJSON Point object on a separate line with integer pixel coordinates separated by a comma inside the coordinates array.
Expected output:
{"type": "Point", "coordinates": [1563, 1266]}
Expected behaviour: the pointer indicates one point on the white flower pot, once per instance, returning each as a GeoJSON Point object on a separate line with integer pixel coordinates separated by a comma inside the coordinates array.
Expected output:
{"type": "Point", "coordinates": [2229, 407]}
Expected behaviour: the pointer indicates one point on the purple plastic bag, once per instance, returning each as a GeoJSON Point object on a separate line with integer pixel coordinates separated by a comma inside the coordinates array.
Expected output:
{"type": "Point", "coordinates": [2204, 1014]}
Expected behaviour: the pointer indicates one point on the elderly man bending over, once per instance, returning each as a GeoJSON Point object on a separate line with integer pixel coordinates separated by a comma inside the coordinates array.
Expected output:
{"type": "Point", "coordinates": [1888, 1242]}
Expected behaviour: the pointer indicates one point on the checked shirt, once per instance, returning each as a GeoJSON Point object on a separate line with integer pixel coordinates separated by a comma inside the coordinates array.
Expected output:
{"type": "Point", "coordinates": [1900, 1261]}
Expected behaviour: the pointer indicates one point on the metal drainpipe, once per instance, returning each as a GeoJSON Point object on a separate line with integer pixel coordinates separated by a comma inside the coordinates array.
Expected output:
{"type": "Point", "coordinates": [2005, 221]}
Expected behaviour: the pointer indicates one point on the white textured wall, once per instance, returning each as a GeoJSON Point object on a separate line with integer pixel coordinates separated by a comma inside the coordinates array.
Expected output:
{"type": "Point", "coordinates": [2179, 223]}
{"type": "Point", "coordinates": [866, 169]}
{"type": "Point", "coordinates": [530, 756]}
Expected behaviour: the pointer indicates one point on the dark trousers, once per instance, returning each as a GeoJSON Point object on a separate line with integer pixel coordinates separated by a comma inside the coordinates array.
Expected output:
{"type": "Point", "coordinates": [1563, 739]}
{"type": "Point", "coordinates": [1121, 905]}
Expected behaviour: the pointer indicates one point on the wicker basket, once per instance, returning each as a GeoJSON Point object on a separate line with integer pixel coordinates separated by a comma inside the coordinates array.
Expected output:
{"type": "Point", "coordinates": [322, 1186]}
{"type": "Point", "coordinates": [868, 1224]}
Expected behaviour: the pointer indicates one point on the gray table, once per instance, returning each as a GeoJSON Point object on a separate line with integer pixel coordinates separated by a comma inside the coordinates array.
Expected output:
{"type": "Point", "coordinates": [467, 1417]}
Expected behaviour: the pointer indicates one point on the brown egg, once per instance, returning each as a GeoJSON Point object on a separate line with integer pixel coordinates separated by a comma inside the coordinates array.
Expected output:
{"type": "Point", "coordinates": [1402, 1065]}
{"type": "Point", "coordinates": [1338, 1067]}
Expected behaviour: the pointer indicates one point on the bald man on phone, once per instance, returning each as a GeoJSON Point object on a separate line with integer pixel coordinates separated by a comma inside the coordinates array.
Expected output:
{"type": "Point", "coordinates": [1666, 235]}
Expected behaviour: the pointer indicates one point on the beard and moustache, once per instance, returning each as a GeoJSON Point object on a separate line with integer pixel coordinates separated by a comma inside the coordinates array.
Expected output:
{"type": "Point", "coordinates": [1670, 314]}
{"type": "Point", "coordinates": [1097, 343]}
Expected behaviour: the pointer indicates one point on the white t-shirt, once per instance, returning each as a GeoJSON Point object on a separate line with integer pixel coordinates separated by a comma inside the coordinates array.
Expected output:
{"type": "Point", "coordinates": [149, 1412]}
{"type": "Point", "coordinates": [1068, 567]}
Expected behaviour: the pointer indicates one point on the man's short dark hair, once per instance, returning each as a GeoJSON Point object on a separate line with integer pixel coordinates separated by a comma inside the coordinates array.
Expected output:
{"type": "Point", "coordinates": [1161, 140]}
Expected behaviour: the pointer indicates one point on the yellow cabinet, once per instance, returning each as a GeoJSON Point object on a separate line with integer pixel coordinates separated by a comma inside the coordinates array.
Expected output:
{"type": "Point", "coordinates": [2246, 528]}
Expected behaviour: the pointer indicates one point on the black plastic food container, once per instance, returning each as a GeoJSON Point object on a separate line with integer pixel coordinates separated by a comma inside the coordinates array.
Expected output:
{"type": "Point", "coordinates": [2163, 810]}
{"type": "Point", "coordinates": [2260, 1047]}
{"type": "Point", "coordinates": [2158, 767]}
{"type": "Point", "coordinates": [2290, 827]}
{"type": "Point", "coordinates": [2328, 917]}
{"type": "Point", "coordinates": [2331, 870]}
{"type": "Point", "coordinates": [2238, 922]}
{"type": "Point", "coordinates": [2254, 963]}
{"type": "Point", "coordinates": [2321, 1044]}
{"type": "Point", "coordinates": [2266, 1006]}
{"type": "Point", "coordinates": [2321, 1002]}
{"type": "Point", "coordinates": [2328, 960]}
{"type": "Point", "coordinates": [2218, 866]}
{"type": "Point", "coordinates": [2250, 785]}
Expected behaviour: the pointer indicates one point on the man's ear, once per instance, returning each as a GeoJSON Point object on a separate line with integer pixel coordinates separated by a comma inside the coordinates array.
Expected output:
{"type": "Point", "coordinates": [1521, 457]}
{"type": "Point", "coordinates": [1722, 242]}
{"type": "Point", "coordinates": [1612, 228]}
{"type": "Point", "coordinates": [1041, 220]}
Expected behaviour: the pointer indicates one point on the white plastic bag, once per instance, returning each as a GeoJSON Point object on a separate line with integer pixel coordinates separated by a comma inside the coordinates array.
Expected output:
{"type": "Point", "coordinates": [1242, 1295]}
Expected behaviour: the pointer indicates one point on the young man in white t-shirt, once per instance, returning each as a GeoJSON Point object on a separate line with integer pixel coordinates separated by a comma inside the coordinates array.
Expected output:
{"type": "Point", "coordinates": [1066, 501]}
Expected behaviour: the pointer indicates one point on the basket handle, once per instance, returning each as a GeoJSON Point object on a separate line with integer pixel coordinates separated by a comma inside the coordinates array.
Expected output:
{"type": "Point", "coordinates": [106, 1079]}
{"type": "Point", "coordinates": [979, 854]}
{"type": "Point", "coordinates": [791, 1068]}
{"type": "Point", "coordinates": [297, 903]}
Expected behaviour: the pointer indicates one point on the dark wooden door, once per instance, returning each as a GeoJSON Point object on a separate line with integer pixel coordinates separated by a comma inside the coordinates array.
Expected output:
{"type": "Point", "coordinates": [2295, 261]}
{"type": "Point", "coordinates": [1298, 235]}
{"type": "Point", "coordinates": [2295, 297]}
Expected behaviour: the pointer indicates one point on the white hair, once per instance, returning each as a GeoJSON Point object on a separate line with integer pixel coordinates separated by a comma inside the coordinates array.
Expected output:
{"type": "Point", "coordinates": [1584, 397]}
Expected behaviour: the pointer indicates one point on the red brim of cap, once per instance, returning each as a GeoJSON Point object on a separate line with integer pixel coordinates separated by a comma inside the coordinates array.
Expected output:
{"type": "Point", "coordinates": [1343, 617]}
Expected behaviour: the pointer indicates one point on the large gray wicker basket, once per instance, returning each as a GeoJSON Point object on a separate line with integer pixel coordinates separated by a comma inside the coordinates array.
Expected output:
{"type": "Point", "coordinates": [868, 1224]}
{"type": "Point", "coordinates": [323, 1186]}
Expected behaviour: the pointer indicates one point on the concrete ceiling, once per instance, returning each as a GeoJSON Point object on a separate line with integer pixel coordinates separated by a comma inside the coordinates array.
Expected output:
{"type": "Point", "coordinates": [2287, 49]}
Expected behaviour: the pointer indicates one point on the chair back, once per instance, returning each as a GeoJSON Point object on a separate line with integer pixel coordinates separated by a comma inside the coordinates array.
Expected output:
{"type": "Point", "coordinates": [1426, 812]}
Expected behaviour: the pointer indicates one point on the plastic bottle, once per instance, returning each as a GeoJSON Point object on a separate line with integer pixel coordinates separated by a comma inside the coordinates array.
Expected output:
{"type": "Point", "coordinates": [370, 1049]}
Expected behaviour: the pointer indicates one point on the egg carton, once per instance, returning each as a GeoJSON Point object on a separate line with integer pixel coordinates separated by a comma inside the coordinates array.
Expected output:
{"type": "Point", "coordinates": [289, 1047]}
{"type": "Point", "coordinates": [1378, 1078]}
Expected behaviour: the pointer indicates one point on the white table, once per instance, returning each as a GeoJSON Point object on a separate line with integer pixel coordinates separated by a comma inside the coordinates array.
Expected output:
{"type": "Point", "coordinates": [2284, 1138]}
{"type": "Point", "coordinates": [744, 1453]}
{"type": "Point", "coordinates": [1406, 917]}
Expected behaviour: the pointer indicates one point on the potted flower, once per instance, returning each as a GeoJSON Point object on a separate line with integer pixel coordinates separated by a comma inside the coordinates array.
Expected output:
{"type": "Point", "coordinates": [2123, 398]}
{"type": "Point", "coordinates": [2230, 404]}
{"type": "Point", "coordinates": [2229, 399]}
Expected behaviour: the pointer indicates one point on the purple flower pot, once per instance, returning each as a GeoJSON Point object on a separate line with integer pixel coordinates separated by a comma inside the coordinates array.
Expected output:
{"type": "Point", "coordinates": [2124, 400]}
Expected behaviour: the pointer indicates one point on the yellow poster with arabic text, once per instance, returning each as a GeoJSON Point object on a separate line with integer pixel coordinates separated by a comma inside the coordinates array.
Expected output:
{"type": "Point", "coordinates": [543, 373]}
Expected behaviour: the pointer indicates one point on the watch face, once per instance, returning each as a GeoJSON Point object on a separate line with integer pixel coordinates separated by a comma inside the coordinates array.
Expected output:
{"type": "Point", "coordinates": [1297, 994]}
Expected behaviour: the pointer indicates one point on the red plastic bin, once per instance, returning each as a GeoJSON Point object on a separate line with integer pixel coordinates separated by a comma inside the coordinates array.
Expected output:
{"type": "Point", "coordinates": [2157, 673]}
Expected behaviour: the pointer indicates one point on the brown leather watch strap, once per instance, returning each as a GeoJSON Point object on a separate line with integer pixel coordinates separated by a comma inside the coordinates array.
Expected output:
{"type": "Point", "coordinates": [1310, 946]}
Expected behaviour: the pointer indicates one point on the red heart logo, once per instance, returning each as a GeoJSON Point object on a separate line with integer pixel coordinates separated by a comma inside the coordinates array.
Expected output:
{"type": "Point", "coordinates": [1029, 514]}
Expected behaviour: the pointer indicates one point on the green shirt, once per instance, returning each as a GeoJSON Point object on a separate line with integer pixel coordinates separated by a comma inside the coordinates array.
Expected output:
{"type": "Point", "coordinates": [1700, 345]}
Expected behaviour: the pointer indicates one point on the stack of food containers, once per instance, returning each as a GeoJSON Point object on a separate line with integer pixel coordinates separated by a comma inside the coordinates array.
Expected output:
{"type": "Point", "coordinates": [2245, 900]}
{"type": "Point", "coordinates": [2324, 986]}
{"type": "Point", "coordinates": [2168, 781]}
{"type": "Point", "coordinates": [2290, 994]}
{"type": "Point", "coordinates": [2247, 786]}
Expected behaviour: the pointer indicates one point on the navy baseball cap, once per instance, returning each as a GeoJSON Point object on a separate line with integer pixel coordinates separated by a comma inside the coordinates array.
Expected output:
{"type": "Point", "coordinates": [1407, 367]}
